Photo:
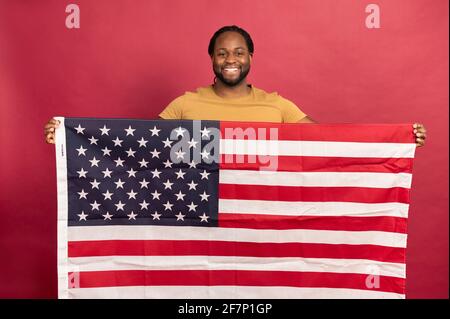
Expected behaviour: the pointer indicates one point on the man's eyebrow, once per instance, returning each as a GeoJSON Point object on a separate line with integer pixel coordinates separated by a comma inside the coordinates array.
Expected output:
{"type": "Point", "coordinates": [237, 48]}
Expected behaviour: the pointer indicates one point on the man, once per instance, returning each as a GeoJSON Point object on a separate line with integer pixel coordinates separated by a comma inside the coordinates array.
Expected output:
{"type": "Point", "coordinates": [230, 97]}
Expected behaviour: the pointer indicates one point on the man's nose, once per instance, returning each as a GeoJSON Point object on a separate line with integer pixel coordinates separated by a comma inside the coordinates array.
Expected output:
{"type": "Point", "coordinates": [230, 58]}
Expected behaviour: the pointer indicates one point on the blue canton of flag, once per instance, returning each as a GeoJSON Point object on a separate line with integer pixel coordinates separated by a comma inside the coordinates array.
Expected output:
{"type": "Point", "coordinates": [133, 172]}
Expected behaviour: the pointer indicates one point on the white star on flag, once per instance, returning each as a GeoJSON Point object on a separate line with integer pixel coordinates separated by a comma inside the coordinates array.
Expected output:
{"type": "Point", "coordinates": [167, 143]}
{"type": "Point", "coordinates": [119, 162]}
{"type": "Point", "coordinates": [130, 152]}
{"type": "Point", "coordinates": [156, 216]}
{"type": "Point", "coordinates": [93, 140]}
{"type": "Point", "coordinates": [167, 164]}
{"type": "Point", "coordinates": [119, 183]}
{"type": "Point", "coordinates": [107, 195]}
{"type": "Point", "coordinates": [144, 183]}
{"type": "Point", "coordinates": [117, 142]}
{"type": "Point", "coordinates": [155, 153]}
{"type": "Point", "coordinates": [120, 205]}
{"type": "Point", "coordinates": [81, 150]}
{"type": "Point", "coordinates": [192, 185]}
{"type": "Point", "coordinates": [105, 130]}
{"type": "Point", "coordinates": [204, 154]}
{"type": "Point", "coordinates": [204, 218]}
{"type": "Point", "coordinates": [155, 173]}
{"type": "Point", "coordinates": [94, 162]}
{"type": "Point", "coordinates": [192, 143]}
{"type": "Point", "coordinates": [204, 174]}
{"type": "Point", "coordinates": [95, 205]}
{"type": "Point", "coordinates": [82, 216]}
{"type": "Point", "coordinates": [180, 195]}
{"type": "Point", "coordinates": [131, 172]}
{"type": "Point", "coordinates": [180, 216]}
{"type": "Point", "coordinates": [107, 216]}
{"type": "Point", "coordinates": [180, 174]}
{"type": "Point", "coordinates": [168, 185]}
{"type": "Point", "coordinates": [192, 206]}
{"type": "Point", "coordinates": [95, 184]}
{"type": "Point", "coordinates": [168, 206]}
{"type": "Point", "coordinates": [155, 194]}
{"type": "Point", "coordinates": [82, 194]}
{"type": "Point", "coordinates": [82, 173]}
{"type": "Point", "coordinates": [132, 216]}
{"type": "Point", "coordinates": [130, 130]}
{"type": "Point", "coordinates": [205, 132]}
{"type": "Point", "coordinates": [142, 142]}
{"type": "Point", "coordinates": [180, 131]}
{"type": "Point", "coordinates": [154, 131]}
{"type": "Point", "coordinates": [106, 151]}
{"type": "Point", "coordinates": [144, 205]}
{"type": "Point", "coordinates": [192, 164]}
{"type": "Point", "coordinates": [180, 154]}
{"type": "Point", "coordinates": [80, 129]}
{"type": "Point", "coordinates": [143, 163]}
{"type": "Point", "coordinates": [204, 196]}
{"type": "Point", "coordinates": [132, 194]}
{"type": "Point", "coordinates": [107, 173]}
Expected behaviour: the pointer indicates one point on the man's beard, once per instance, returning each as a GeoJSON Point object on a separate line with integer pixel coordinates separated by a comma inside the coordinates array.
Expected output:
{"type": "Point", "coordinates": [232, 83]}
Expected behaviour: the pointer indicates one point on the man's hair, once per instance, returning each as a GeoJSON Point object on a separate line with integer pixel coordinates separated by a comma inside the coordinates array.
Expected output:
{"type": "Point", "coordinates": [232, 28]}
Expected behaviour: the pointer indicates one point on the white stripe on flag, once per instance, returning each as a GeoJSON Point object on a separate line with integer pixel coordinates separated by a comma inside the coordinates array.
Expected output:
{"type": "Point", "coordinates": [310, 148]}
{"type": "Point", "coordinates": [139, 232]}
{"type": "Point", "coordinates": [234, 206]}
{"type": "Point", "coordinates": [227, 292]}
{"type": "Point", "coordinates": [315, 179]}
{"type": "Point", "coordinates": [329, 265]}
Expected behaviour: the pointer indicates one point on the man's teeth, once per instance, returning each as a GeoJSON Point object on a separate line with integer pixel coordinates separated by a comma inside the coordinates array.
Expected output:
{"type": "Point", "coordinates": [231, 69]}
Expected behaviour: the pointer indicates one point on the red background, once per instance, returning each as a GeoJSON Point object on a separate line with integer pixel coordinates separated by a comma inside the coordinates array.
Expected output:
{"type": "Point", "coordinates": [131, 58]}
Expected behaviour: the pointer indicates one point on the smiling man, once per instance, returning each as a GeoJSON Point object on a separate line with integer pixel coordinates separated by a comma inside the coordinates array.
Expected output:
{"type": "Point", "coordinates": [231, 98]}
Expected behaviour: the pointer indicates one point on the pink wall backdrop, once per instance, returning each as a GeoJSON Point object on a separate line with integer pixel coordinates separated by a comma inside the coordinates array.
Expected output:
{"type": "Point", "coordinates": [131, 58]}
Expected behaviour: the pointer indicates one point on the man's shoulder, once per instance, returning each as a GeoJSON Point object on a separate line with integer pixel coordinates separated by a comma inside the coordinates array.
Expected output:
{"type": "Point", "coordinates": [274, 96]}
{"type": "Point", "coordinates": [197, 93]}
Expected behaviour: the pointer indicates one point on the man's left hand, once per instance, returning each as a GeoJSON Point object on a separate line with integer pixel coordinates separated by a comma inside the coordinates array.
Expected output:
{"type": "Point", "coordinates": [420, 133]}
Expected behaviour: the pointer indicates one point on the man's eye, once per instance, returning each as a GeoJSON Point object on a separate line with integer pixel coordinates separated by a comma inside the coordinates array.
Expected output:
{"type": "Point", "coordinates": [221, 54]}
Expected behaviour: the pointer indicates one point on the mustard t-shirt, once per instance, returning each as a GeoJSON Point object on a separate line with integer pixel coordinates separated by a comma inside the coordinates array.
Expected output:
{"type": "Point", "coordinates": [258, 106]}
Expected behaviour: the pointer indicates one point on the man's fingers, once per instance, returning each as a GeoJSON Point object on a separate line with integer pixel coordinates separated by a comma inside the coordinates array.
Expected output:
{"type": "Point", "coordinates": [50, 138]}
{"type": "Point", "coordinates": [420, 141]}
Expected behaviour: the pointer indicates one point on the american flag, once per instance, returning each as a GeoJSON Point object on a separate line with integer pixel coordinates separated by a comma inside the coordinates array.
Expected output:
{"type": "Point", "coordinates": [209, 209]}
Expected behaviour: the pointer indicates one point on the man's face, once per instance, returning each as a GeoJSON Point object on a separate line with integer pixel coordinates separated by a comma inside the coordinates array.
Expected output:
{"type": "Point", "coordinates": [231, 58]}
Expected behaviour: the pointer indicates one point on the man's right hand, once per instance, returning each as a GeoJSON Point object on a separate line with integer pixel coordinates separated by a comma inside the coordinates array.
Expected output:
{"type": "Point", "coordinates": [49, 131]}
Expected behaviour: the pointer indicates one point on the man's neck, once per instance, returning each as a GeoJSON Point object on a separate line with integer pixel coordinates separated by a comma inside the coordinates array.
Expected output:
{"type": "Point", "coordinates": [231, 92]}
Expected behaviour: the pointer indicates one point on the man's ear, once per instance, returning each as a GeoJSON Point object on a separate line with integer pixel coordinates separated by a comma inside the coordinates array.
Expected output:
{"type": "Point", "coordinates": [250, 58]}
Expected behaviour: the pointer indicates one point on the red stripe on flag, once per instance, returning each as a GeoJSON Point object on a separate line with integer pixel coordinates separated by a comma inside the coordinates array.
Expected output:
{"type": "Point", "coordinates": [91, 279]}
{"type": "Point", "coordinates": [314, 194]}
{"type": "Point", "coordinates": [345, 223]}
{"type": "Point", "coordinates": [318, 164]}
{"type": "Point", "coordinates": [377, 133]}
{"type": "Point", "coordinates": [230, 248]}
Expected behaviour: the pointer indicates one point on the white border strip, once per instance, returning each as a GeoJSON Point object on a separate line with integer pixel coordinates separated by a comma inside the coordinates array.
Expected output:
{"type": "Point", "coordinates": [314, 148]}
{"type": "Point", "coordinates": [143, 232]}
{"type": "Point", "coordinates": [61, 173]}
{"type": "Point", "coordinates": [227, 292]}
{"type": "Point", "coordinates": [328, 265]}
{"type": "Point", "coordinates": [315, 179]}
{"type": "Point", "coordinates": [322, 209]}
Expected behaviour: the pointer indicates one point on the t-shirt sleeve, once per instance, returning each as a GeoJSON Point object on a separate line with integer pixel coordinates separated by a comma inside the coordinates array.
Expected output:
{"type": "Point", "coordinates": [290, 112]}
{"type": "Point", "coordinates": [173, 111]}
